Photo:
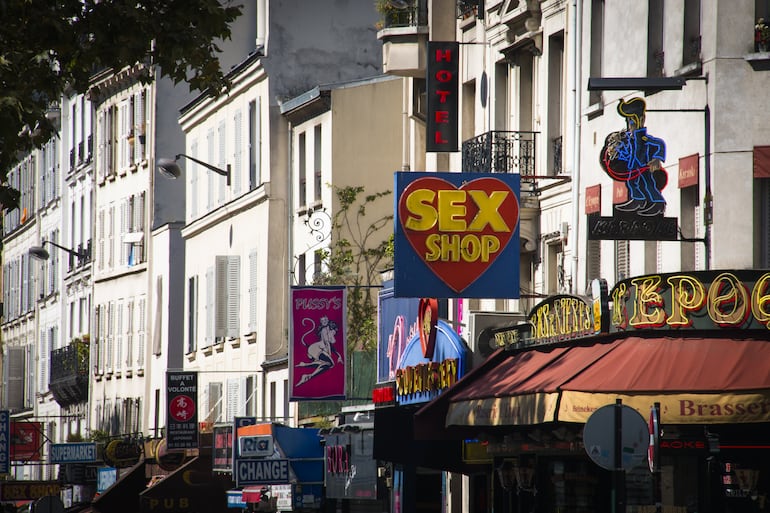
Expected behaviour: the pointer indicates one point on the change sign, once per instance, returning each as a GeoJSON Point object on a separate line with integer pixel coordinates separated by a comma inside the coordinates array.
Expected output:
{"type": "Point", "coordinates": [251, 472]}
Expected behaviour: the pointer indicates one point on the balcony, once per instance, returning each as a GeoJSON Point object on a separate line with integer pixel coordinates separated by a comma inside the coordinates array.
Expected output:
{"type": "Point", "coordinates": [500, 152]}
{"type": "Point", "coordinates": [69, 373]}
{"type": "Point", "coordinates": [404, 36]}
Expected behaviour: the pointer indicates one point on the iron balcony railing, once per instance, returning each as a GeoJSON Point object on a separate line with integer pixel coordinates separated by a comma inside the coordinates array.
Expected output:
{"type": "Point", "coordinates": [405, 13]}
{"type": "Point", "coordinates": [68, 380]}
{"type": "Point", "coordinates": [500, 152]}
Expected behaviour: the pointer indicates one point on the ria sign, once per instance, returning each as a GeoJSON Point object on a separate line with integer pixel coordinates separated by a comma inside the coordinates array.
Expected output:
{"type": "Point", "coordinates": [457, 235]}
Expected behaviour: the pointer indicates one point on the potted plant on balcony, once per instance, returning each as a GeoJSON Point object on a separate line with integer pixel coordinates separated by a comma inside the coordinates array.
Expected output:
{"type": "Point", "coordinates": [761, 36]}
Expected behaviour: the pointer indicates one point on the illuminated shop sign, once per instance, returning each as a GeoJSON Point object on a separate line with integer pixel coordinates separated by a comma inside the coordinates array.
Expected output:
{"type": "Point", "coordinates": [418, 378]}
{"type": "Point", "coordinates": [634, 157]}
{"type": "Point", "coordinates": [442, 85]}
{"type": "Point", "coordinates": [457, 235]}
{"type": "Point", "coordinates": [698, 300]}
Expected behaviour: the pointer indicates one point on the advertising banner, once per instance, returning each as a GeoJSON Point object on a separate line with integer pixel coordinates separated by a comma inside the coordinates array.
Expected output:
{"type": "Point", "coordinates": [317, 343]}
{"type": "Point", "coordinates": [26, 441]}
{"type": "Point", "coordinates": [457, 235]}
{"type": "Point", "coordinates": [182, 410]}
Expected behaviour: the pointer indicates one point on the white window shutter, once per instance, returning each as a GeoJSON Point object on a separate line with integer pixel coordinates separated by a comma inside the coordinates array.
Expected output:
{"type": "Point", "coordinates": [222, 157]}
{"type": "Point", "coordinates": [233, 295]}
{"type": "Point", "coordinates": [141, 332]}
{"type": "Point", "coordinates": [42, 384]}
{"type": "Point", "coordinates": [119, 336]}
{"type": "Point", "coordinates": [139, 131]}
{"type": "Point", "coordinates": [237, 170]}
{"type": "Point", "coordinates": [210, 287]}
{"type": "Point", "coordinates": [193, 177]}
{"type": "Point", "coordinates": [129, 333]}
{"type": "Point", "coordinates": [253, 291]}
{"type": "Point", "coordinates": [234, 401]}
{"type": "Point", "coordinates": [210, 174]}
{"type": "Point", "coordinates": [124, 248]}
{"type": "Point", "coordinates": [222, 300]}
{"type": "Point", "coordinates": [15, 380]}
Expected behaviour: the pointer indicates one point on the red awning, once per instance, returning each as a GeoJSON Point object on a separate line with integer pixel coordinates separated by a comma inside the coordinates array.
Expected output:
{"type": "Point", "coordinates": [696, 380]}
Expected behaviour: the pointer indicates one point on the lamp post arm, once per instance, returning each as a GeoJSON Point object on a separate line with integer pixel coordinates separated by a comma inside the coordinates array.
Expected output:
{"type": "Point", "coordinates": [217, 170]}
{"type": "Point", "coordinates": [68, 250]}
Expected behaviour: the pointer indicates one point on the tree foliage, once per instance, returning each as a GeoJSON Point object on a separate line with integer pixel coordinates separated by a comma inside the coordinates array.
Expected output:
{"type": "Point", "coordinates": [49, 47]}
{"type": "Point", "coordinates": [361, 248]}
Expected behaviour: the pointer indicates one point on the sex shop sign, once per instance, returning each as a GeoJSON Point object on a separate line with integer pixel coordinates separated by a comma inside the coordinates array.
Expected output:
{"type": "Point", "coordinates": [457, 235]}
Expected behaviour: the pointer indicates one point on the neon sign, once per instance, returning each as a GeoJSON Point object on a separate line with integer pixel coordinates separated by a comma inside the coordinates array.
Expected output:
{"type": "Point", "coordinates": [698, 300]}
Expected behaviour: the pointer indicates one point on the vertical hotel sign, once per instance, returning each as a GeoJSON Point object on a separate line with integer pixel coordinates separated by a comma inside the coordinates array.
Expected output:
{"type": "Point", "coordinates": [442, 86]}
{"type": "Point", "coordinates": [182, 410]}
{"type": "Point", "coordinates": [317, 343]}
{"type": "Point", "coordinates": [5, 442]}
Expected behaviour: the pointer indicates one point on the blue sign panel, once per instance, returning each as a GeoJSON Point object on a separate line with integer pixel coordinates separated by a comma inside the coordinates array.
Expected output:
{"type": "Point", "coordinates": [235, 499]}
{"type": "Point", "coordinates": [397, 325]}
{"type": "Point", "coordinates": [420, 379]}
{"type": "Point", "coordinates": [457, 235]}
{"type": "Point", "coordinates": [106, 478]}
{"type": "Point", "coordinates": [84, 452]}
{"type": "Point", "coordinates": [267, 471]}
{"type": "Point", "coordinates": [5, 442]}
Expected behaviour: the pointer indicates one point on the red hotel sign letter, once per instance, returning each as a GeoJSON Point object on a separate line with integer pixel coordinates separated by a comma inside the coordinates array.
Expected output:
{"type": "Point", "coordinates": [442, 84]}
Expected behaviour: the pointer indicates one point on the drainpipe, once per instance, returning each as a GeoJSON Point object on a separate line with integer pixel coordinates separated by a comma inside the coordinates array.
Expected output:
{"type": "Point", "coordinates": [576, 46]}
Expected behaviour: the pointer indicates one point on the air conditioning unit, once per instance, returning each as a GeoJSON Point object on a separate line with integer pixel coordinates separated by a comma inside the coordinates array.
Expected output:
{"type": "Point", "coordinates": [479, 321]}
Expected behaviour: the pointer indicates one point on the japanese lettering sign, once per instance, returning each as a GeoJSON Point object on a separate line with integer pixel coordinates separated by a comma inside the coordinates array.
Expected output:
{"type": "Point", "coordinates": [457, 235]}
{"type": "Point", "coordinates": [182, 410]}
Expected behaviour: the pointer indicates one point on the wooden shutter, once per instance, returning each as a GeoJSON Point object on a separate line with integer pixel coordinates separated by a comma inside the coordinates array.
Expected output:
{"type": "Point", "coordinates": [253, 275]}
{"type": "Point", "coordinates": [221, 160]}
{"type": "Point", "coordinates": [233, 295]}
{"type": "Point", "coordinates": [209, 339]}
{"type": "Point", "coordinates": [222, 297]}
{"type": "Point", "coordinates": [238, 151]}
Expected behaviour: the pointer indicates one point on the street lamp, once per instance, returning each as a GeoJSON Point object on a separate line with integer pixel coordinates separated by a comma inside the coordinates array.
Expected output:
{"type": "Point", "coordinates": [170, 169]}
{"type": "Point", "coordinates": [41, 253]}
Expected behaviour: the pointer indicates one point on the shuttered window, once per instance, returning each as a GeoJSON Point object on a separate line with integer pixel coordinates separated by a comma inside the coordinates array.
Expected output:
{"type": "Point", "coordinates": [253, 276]}
{"type": "Point", "coordinates": [15, 378]}
{"type": "Point", "coordinates": [593, 260]}
{"type": "Point", "coordinates": [234, 398]}
{"type": "Point", "coordinates": [621, 260]}
{"type": "Point", "coordinates": [228, 278]}
{"type": "Point", "coordinates": [237, 151]}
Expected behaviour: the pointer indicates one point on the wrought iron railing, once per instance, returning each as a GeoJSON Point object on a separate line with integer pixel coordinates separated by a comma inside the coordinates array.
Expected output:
{"type": "Point", "coordinates": [405, 13]}
{"type": "Point", "coordinates": [500, 152]}
{"type": "Point", "coordinates": [68, 379]}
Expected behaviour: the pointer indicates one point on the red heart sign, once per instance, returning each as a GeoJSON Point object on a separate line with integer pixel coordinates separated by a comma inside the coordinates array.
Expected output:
{"type": "Point", "coordinates": [458, 232]}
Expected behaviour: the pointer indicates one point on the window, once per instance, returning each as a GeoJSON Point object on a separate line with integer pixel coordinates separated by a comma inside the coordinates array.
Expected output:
{"type": "Point", "coordinates": [255, 141]}
{"type": "Point", "coordinates": [597, 50]}
{"type": "Point", "coordinates": [655, 57]}
{"type": "Point", "coordinates": [691, 45]}
{"type": "Point", "coordinates": [221, 157]}
{"type": "Point", "coordinates": [555, 102]}
{"type": "Point", "coordinates": [140, 331]}
{"type": "Point", "coordinates": [192, 314]}
{"type": "Point", "coordinates": [593, 260]}
{"type": "Point", "coordinates": [234, 398]}
{"type": "Point", "coordinates": [130, 324]}
{"type": "Point", "coordinates": [273, 399]}
{"type": "Point", "coordinates": [250, 392]}
{"type": "Point", "coordinates": [237, 151]}
{"type": "Point", "coordinates": [317, 163]}
{"type": "Point", "coordinates": [228, 279]}
{"type": "Point", "coordinates": [210, 176]}
{"type": "Point", "coordinates": [14, 369]}
{"type": "Point", "coordinates": [301, 270]}
{"type": "Point", "coordinates": [140, 126]}
{"type": "Point", "coordinates": [253, 290]}
{"type": "Point", "coordinates": [215, 403]}
{"type": "Point", "coordinates": [193, 177]}
{"type": "Point", "coordinates": [621, 260]}
{"type": "Point", "coordinates": [317, 265]}
{"type": "Point", "coordinates": [764, 222]}
{"type": "Point", "coordinates": [119, 335]}
{"type": "Point", "coordinates": [689, 226]}
{"type": "Point", "coordinates": [555, 269]}
{"type": "Point", "coordinates": [302, 172]}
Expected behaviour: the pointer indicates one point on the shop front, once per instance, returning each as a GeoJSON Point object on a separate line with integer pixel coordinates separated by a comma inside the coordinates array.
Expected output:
{"type": "Point", "coordinates": [419, 358]}
{"type": "Point", "coordinates": [696, 344]}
